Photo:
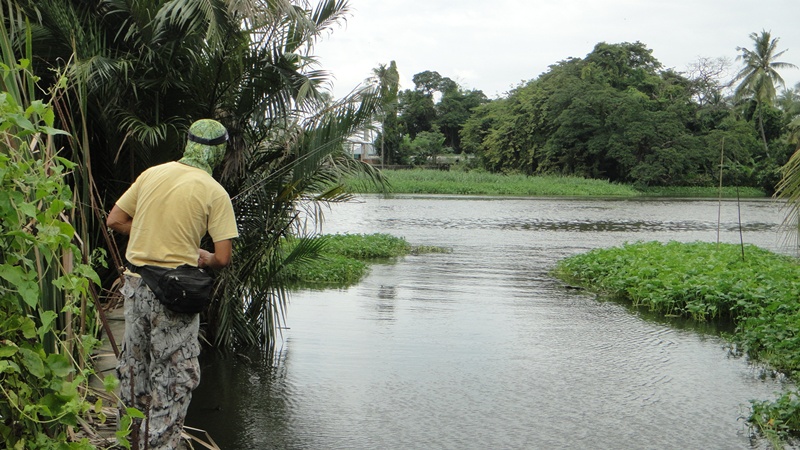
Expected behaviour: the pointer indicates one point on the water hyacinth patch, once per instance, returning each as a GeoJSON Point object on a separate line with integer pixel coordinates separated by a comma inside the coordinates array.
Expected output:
{"type": "Point", "coordinates": [757, 290]}
{"type": "Point", "coordinates": [343, 258]}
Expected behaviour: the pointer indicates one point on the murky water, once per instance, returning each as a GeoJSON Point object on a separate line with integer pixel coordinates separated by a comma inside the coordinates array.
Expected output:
{"type": "Point", "coordinates": [482, 349]}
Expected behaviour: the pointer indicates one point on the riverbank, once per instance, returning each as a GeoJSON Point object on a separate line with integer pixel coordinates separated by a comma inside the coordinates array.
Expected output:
{"type": "Point", "coordinates": [753, 288]}
{"type": "Point", "coordinates": [422, 181]}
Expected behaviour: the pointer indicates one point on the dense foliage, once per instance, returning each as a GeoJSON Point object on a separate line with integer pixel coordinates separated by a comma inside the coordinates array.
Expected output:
{"type": "Point", "coordinates": [759, 291]}
{"type": "Point", "coordinates": [142, 71]}
{"type": "Point", "coordinates": [618, 115]}
{"type": "Point", "coordinates": [47, 331]}
{"type": "Point", "coordinates": [431, 117]}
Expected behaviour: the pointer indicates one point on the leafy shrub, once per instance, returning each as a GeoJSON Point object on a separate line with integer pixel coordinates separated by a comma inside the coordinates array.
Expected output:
{"type": "Point", "coordinates": [42, 284]}
{"type": "Point", "coordinates": [45, 337]}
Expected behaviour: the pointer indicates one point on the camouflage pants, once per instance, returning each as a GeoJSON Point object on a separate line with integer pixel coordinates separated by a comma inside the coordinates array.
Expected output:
{"type": "Point", "coordinates": [158, 367]}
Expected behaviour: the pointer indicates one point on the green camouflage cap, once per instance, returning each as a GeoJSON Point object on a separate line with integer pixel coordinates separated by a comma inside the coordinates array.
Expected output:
{"type": "Point", "coordinates": [205, 146]}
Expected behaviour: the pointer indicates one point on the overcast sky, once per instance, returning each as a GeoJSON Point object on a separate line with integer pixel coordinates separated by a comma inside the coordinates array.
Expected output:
{"type": "Point", "coordinates": [493, 45]}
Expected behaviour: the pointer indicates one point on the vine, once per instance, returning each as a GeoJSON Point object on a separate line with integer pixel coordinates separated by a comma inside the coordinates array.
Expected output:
{"type": "Point", "coordinates": [44, 284]}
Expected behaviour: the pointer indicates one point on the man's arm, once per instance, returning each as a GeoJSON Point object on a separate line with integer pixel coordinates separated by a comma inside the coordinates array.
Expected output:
{"type": "Point", "coordinates": [220, 258]}
{"type": "Point", "coordinates": [119, 221]}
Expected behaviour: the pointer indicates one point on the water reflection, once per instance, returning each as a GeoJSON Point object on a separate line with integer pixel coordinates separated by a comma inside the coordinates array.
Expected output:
{"type": "Point", "coordinates": [483, 348]}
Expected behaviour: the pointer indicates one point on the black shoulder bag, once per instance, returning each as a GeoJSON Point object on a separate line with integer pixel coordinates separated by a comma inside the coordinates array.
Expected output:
{"type": "Point", "coordinates": [184, 289]}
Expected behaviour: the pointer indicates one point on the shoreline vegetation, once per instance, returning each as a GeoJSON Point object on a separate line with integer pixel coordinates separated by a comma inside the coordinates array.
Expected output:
{"type": "Point", "coordinates": [456, 182]}
{"type": "Point", "coordinates": [755, 290]}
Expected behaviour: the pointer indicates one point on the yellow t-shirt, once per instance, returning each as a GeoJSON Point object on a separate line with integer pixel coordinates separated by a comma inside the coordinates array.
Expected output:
{"type": "Point", "coordinates": [173, 206]}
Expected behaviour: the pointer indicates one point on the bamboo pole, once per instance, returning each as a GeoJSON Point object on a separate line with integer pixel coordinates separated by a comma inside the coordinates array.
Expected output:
{"type": "Point", "coordinates": [719, 205]}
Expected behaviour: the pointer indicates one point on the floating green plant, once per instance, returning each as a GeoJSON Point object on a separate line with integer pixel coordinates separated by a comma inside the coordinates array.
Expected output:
{"type": "Point", "coordinates": [758, 290]}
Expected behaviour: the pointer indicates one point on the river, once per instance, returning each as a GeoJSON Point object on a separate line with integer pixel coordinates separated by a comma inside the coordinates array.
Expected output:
{"type": "Point", "coordinates": [481, 348]}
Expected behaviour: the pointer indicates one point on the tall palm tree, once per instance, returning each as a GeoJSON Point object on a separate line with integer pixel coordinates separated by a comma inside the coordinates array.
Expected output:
{"type": "Point", "coordinates": [144, 70]}
{"type": "Point", "coordinates": [387, 78]}
{"type": "Point", "coordinates": [759, 76]}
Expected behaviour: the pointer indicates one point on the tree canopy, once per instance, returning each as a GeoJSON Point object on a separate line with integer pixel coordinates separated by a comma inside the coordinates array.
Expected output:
{"type": "Point", "coordinates": [617, 114]}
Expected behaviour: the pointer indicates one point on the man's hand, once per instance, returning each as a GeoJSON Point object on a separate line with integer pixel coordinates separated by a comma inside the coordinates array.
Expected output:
{"type": "Point", "coordinates": [119, 221]}
{"type": "Point", "coordinates": [205, 258]}
{"type": "Point", "coordinates": [217, 260]}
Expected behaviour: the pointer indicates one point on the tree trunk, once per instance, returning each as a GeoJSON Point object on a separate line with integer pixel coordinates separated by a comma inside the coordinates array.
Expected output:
{"type": "Point", "coordinates": [761, 129]}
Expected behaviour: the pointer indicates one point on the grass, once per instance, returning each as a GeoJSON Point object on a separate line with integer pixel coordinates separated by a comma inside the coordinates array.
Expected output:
{"type": "Point", "coordinates": [702, 192]}
{"type": "Point", "coordinates": [420, 181]}
{"type": "Point", "coordinates": [344, 259]}
{"type": "Point", "coordinates": [759, 292]}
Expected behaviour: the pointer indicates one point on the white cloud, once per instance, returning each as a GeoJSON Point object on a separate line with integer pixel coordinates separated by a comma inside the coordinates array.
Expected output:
{"type": "Point", "coordinates": [493, 46]}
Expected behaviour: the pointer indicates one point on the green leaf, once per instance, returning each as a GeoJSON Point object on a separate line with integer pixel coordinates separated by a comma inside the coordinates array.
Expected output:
{"type": "Point", "coordinates": [47, 318]}
{"type": "Point", "coordinates": [135, 413]}
{"type": "Point", "coordinates": [28, 328]}
{"type": "Point", "coordinates": [125, 430]}
{"type": "Point", "coordinates": [53, 131]}
{"type": "Point", "coordinates": [53, 404]}
{"type": "Point", "coordinates": [110, 383]}
{"type": "Point", "coordinates": [36, 107]}
{"type": "Point", "coordinates": [29, 209]}
{"type": "Point", "coordinates": [60, 365]}
{"type": "Point", "coordinates": [26, 287]}
{"type": "Point", "coordinates": [33, 362]}
{"type": "Point", "coordinates": [66, 229]}
{"type": "Point", "coordinates": [8, 367]}
{"type": "Point", "coordinates": [65, 162]}
{"type": "Point", "coordinates": [8, 348]}
{"type": "Point", "coordinates": [29, 292]}
{"type": "Point", "coordinates": [48, 117]}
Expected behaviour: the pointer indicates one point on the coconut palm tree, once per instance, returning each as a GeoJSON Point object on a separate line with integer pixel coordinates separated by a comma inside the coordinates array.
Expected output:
{"type": "Point", "coordinates": [759, 76]}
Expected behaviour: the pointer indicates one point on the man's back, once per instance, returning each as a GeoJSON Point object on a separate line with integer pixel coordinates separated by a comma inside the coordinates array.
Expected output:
{"type": "Point", "coordinates": [173, 205]}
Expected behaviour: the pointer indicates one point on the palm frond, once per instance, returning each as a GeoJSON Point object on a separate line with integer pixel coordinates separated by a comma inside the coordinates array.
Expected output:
{"type": "Point", "coordinates": [788, 189]}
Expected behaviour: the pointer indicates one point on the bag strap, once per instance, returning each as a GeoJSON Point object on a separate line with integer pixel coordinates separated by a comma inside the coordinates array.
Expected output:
{"type": "Point", "coordinates": [151, 275]}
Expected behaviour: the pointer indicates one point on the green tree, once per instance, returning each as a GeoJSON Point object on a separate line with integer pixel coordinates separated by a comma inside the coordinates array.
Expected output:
{"type": "Point", "coordinates": [614, 114]}
{"type": "Point", "coordinates": [452, 112]}
{"type": "Point", "coordinates": [388, 80]}
{"type": "Point", "coordinates": [427, 146]}
{"type": "Point", "coordinates": [417, 111]}
{"type": "Point", "coordinates": [144, 71]}
{"type": "Point", "coordinates": [623, 65]}
{"type": "Point", "coordinates": [431, 82]}
{"type": "Point", "coordinates": [759, 76]}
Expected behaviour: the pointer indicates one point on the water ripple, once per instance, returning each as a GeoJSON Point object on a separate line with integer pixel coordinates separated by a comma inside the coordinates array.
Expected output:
{"type": "Point", "coordinates": [482, 348]}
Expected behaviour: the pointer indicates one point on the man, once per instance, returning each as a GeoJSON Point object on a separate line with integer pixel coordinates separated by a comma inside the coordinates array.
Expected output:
{"type": "Point", "coordinates": [166, 212]}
